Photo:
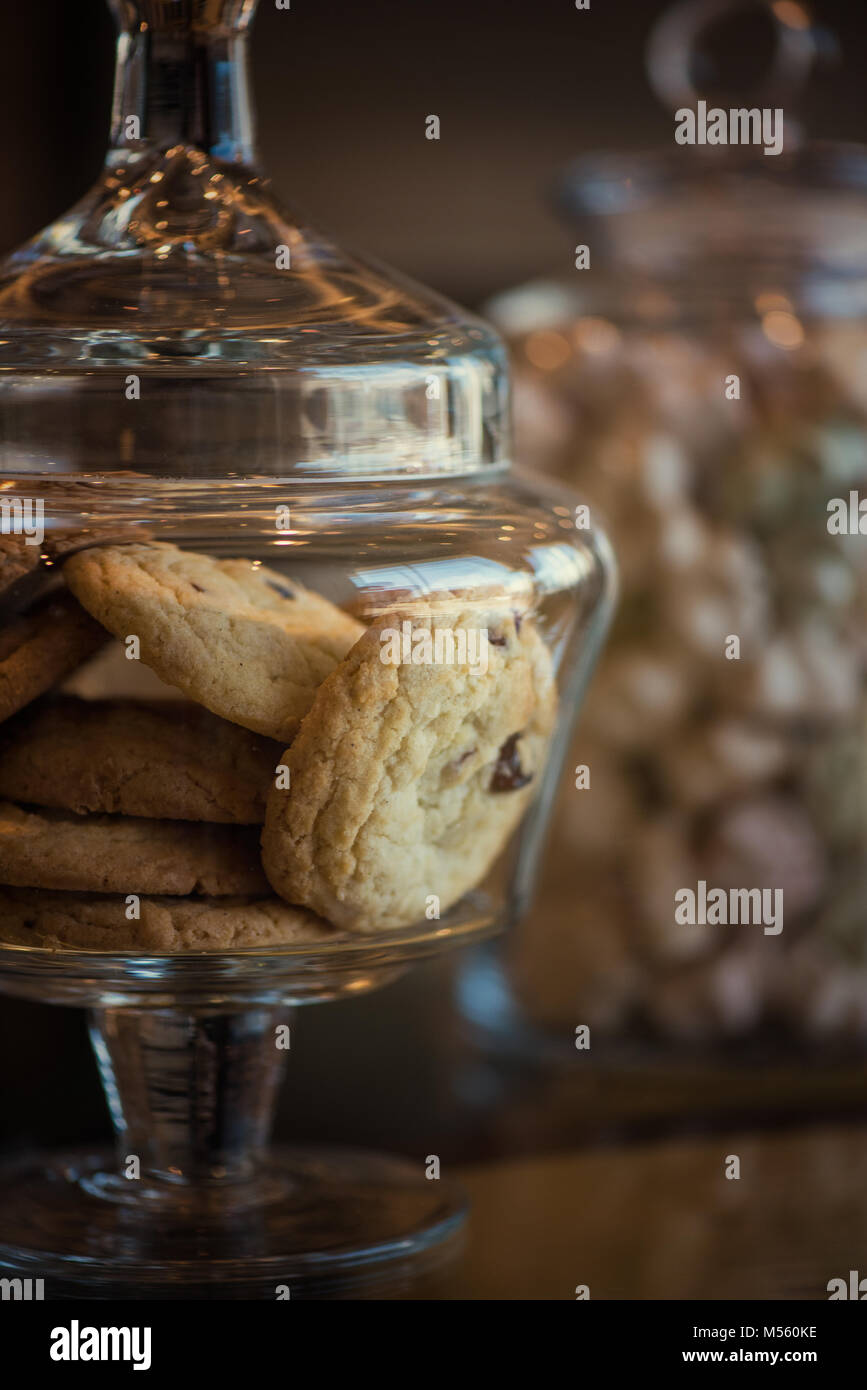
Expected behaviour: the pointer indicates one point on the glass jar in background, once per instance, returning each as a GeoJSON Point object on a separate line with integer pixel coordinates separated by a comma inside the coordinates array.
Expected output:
{"type": "Point", "coordinates": [703, 385]}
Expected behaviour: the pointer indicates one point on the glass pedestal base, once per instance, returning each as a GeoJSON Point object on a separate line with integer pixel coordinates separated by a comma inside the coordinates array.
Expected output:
{"type": "Point", "coordinates": [193, 1203]}
{"type": "Point", "coordinates": [315, 1223]}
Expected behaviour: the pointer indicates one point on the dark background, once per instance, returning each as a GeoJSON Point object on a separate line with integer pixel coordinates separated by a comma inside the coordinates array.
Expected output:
{"type": "Point", "coordinates": [343, 89]}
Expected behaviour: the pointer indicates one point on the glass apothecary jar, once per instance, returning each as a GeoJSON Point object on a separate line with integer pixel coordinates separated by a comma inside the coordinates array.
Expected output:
{"type": "Point", "coordinates": [703, 385]}
{"type": "Point", "coordinates": [256, 500]}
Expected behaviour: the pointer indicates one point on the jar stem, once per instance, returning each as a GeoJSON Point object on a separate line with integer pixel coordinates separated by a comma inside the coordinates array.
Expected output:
{"type": "Point", "coordinates": [191, 1093]}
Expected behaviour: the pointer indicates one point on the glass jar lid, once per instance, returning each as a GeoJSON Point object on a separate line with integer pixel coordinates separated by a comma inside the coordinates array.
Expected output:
{"type": "Point", "coordinates": [179, 321]}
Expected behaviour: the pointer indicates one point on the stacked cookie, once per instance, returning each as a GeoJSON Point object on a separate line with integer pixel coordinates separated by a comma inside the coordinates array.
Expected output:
{"type": "Point", "coordinates": [136, 825]}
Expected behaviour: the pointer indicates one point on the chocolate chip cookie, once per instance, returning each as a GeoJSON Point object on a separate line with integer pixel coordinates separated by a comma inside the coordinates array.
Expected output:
{"type": "Point", "coordinates": [121, 854]}
{"type": "Point", "coordinates": [233, 635]}
{"type": "Point", "coordinates": [73, 921]}
{"type": "Point", "coordinates": [161, 759]}
{"type": "Point", "coordinates": [17, 559]}
{"type": "Point", "coordinates": [39, 650]}
{"type": "Point", "coordinates": [406, 779]}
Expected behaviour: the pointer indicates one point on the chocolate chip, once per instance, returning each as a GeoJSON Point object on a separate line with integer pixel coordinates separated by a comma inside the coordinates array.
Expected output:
{"type": "Point", "coordinates": [198, 588]}
{"type": "Point", "coordinates": [496, 639]}
{"type": "Point", "coordinates": [508, 773]}
{"type": "Point", "coordinates": [282, 589]}
{"type": "Point", "coordinates": [517, 617]}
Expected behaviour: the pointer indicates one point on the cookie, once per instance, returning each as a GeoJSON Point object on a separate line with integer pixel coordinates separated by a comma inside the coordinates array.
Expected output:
{"type": "Point", "coordinates": [39, 650]}
{"type": "Point", "coordinates": [486, 585]}
{"type": "Point", "coordinates": [160, 759]}
{"type": "Point", "coordinates": [118, 854]}
{"type": "Point", "coordinates": [406, 780]}
{"type": "Point", "coordinates": [17, 559]}
{"type": "Point", "coordinates": [74, 921]}
{"type": "Point", "coordinates": [232, 635]}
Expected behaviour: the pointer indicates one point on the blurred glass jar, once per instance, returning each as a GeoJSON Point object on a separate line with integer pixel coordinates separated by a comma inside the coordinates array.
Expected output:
{"type": "Point", "coordinates": [704, 384]}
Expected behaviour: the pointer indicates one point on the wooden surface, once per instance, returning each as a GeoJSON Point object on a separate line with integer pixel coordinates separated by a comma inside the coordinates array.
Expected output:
{"type": "Point", "coordinates": [661, 1221]}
